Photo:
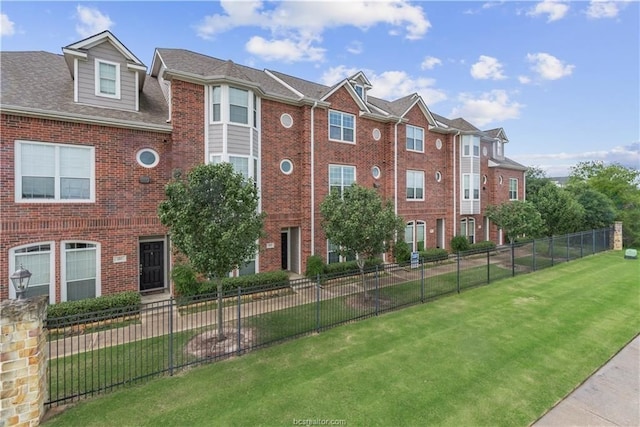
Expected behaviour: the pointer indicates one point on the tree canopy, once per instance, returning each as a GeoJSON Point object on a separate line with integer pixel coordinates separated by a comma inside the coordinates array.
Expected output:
{"type": "Point", "coordinates": [560, 211]}
{"type": "Point", "coordinates": [516, 218]}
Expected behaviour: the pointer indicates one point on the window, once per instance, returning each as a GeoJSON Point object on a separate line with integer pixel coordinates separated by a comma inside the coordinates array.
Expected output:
{"type": "Point", "coordinates": [238, 106]}
{"type": "Point", "coordinates": [415, 138]}
{"type": "Point", "coordinates": [286, 120]}
{"type": "Point", "coordinates": [240, 165]}
{"type": "Point", "coordinates": [38, 259]}
{"type": "Point", "coordinates": [255, 111]}
{"type": "Point", "coordinates": [470, 186]}
{"type": "Point", "coordinates": [54, 172]}
{"type": "Point", "coordinates": [80, 270]}
{"type": "Point", "coordinates": [415, 185]}
{"type": "Point", "coordinates": [341, 177]}
{"type": "Point", "coordinates": [147, 158]}
{"type": "Point", "coordinates": [359, 90]}
{"type": "Point", "coordinates": [468, 229]}
{"type": "Point", "coordinates": [286, 166]}
{"type": "Point", "coordinates": [414, 235]}
{"type": "Point", "coordinates": [470, 144]}
{"type": "Point", "coordinates": [341, 126]}
{"type": "Point", "coordinates": [216, 102]}
{"type": "Point", "coordinates": [333, 254]}
{"type": "Point", "coordinates": [499, 148]}
{"type": "Point", "coordinates": [376, 172]}
{"type": "Point", "coordinates": [107, 79]}
{"type": "Point", "coordinates": [513, 189]}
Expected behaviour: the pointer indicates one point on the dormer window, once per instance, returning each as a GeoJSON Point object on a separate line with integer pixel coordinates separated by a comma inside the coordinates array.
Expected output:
{"type": "Point", "coordinates": [359, 90]}
{"type": "Point", "coordinates": [107, 79]}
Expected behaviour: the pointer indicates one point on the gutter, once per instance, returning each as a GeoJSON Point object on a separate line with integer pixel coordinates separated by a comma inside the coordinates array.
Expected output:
{"type": "Point", "coordinates": [455, 185]}
{"type": "Point", "coordinates": [313, 185]}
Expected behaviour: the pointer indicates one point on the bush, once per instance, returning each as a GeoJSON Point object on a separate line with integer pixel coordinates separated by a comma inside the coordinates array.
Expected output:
{"type": "Point", "coordinates": [120, 303]}
{"type": "Point", "coordinates": [401, 252]}
{"type": "Point", "coordinates": [274, 279]}
{"type": "Point", "coordinates": [351, 266]}
{"type": "Point", "coordinates": [459, 244]}
{"type": "Point", "coordinates": [482, 246]}
{"type": "Point", "coordinates": [185, 279]}
{"type": "Point", "coordinates": [315, 266]}
{"type": "Point", "coordinates": [431, 255]}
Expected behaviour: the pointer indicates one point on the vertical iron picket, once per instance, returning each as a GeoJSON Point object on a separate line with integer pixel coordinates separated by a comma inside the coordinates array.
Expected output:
{"type": "Point", "coordinates": [318, 303]}
{"type": "Point", "coordinates": [458, 273]}
{"type": "Point", "coordinates": [377, 292]}
{"type": "Point", "coordinates": [534, 255]}
{"type": "Point", "coordinates": [513, 260]}
{"type": "Point", "coordinates": [422, 280]}
{"type": "Point", "coordinates": [488, 266]}
{"type": "Point", "coordinates": [239, 320]}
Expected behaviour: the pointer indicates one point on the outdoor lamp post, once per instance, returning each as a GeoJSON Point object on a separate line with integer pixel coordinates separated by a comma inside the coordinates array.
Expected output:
{"type": "Point", "coordinates": [20, 279]}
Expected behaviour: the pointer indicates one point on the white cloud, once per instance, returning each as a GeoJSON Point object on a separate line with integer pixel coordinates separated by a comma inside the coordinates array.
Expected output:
{"type": "Point", "coordinates": [494, 106]}
{"type": "Point", "coordinates": [299, 21]}
{"type": "Point", "coordinates": [430, 62]}
{"type": "Point", "coordinates": [486, 68]}
{"type": "Point", "coordinates": [92, 21]}
{"type": "Point", "coordinates": [548, 67]}
{"type": "Point", "coordinates": [554, 10]}
{"type": "Point", "coordinates": [284, 50]}
{"type": "Point", "coordinates": [354, 48]}
{"type": "Point", "coordinates": [524, 80]}
{"type": "Point", "coordinates": [599, 9]}
{"type": "Point", "coordinates": [6, 26]}
{"type": "Point", "coordinates": [389, 85]}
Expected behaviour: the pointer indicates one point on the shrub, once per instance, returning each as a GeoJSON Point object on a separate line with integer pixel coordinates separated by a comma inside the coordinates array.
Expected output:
{"type": "Point", "coordinates": [185, 279]}
{"type": "Point", "coordinates": [431, 255]}
{"type": "Point", "coordinates": [482, 246]}
{"type": "Point", "coordinates": [118, 304]}
{"type": "Point", "coordinates": [459, 244]}
{"type": "Point", "coordinates": [315, 266]}
{"type": "Point", "coordinates": [401, 252]}
{"type": "Point", "coordinates": [273, 279]}
{"type": "Point", "coordinates": [351, 266]}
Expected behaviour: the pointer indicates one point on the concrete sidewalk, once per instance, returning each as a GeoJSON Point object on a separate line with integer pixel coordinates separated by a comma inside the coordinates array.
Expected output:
{"type": "Point", "coordinates": [610, 397]}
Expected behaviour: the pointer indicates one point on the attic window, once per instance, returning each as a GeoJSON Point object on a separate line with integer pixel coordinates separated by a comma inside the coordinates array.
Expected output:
{"type": "Point", "coordinates": [107, 79]}
{"type": "Point", "coordinates": [359, 90]}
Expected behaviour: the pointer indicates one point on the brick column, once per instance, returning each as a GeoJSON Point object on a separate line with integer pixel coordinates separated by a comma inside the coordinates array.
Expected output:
{"type": "Point", "coordinates": [617, 236]}
{"type": "Point", "coordinates": [23, 361]}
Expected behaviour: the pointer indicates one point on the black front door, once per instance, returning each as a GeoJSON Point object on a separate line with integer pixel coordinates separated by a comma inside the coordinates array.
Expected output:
{"type": "Point", "coordinates": [151, 266]}
{"type": "Point", "coordinates": [284, 250]}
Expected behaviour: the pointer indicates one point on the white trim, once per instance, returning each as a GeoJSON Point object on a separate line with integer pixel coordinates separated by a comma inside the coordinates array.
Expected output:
{"type": "Point", "coordinates": [342, 127]}
{"type": "Point", "coordinates": [97, 63]}
{"type": "Point", "coordinates": [406, 137]}
{"type": "Point", "coordinates": [342, 167]}
{"type": "Point", "coordinates": [56, 199]}
{"type": "Point", "coordinates": [52, 268]}
{"type": "Point", "coordinates": [137, 92]}
{"type": "Point", "coordinates": [63, 267]}
{"type": "Point", "coordinates": [76, 80]}
{"type": "Point", "coordinates": [283, 161]}
{"type": "Point", "coordinates": [415, 199]}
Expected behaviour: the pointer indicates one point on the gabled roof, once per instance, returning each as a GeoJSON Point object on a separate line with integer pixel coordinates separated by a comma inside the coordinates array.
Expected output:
{"type": "Point", "coordinates": [497, 133]}
{"type": "Point", "coordinates": [47, 91]}
{"type": "Point", "coordinates": [347, 85]}
{"type": "Point", "coordinates": [506, 163]}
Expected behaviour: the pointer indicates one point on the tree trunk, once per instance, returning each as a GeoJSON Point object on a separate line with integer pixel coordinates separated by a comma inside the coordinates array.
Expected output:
{"type": "Point", "coordinates": [360, 263]}
{"type": "Point", "coordinates": [221, 336]}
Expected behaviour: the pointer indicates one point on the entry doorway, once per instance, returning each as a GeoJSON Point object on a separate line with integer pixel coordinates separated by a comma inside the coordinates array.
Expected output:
{"type": "Point", "coordinates": [290, 249]}
{"type": "Point", "coordinates": [152, 265]}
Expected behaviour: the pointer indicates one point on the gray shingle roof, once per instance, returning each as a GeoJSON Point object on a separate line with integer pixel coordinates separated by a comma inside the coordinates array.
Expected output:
{"type": "Point", "coordinates": [40, 81]}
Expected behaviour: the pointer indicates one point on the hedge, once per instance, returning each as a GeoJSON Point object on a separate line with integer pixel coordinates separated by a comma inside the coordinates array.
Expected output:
{"type": "Point", "coordinates": [272, 279]}
{"type": "Point", "coordinates": [350, 266]}
{"type": "Point", "coordinates": [117, 304]}
{"type": "Point", "coordinates": [431, 255]}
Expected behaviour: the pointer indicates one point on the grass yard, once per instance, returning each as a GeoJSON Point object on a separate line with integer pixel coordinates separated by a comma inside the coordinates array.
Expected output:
{"type": "Point", "coordinates": [495, 355]}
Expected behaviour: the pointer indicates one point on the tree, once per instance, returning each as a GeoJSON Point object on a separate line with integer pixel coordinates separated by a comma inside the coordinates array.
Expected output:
{"type": "Point", "coordinates": [213, 219]}
{"type": "Point", "coordinates": [599, 209]}
{"type": "Point", "coordinates": [535, 178]}
{"type": "Point", "coordinates": [620, 184]}
{"type": "Point", "coordinates": [360, 222]}
{"type": "Point", "coordinates": [516, 218]}
{"type": "Point", "coordinates": [560, 211]}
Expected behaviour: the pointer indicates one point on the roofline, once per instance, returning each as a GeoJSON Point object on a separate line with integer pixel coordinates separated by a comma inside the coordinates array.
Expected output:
{"type": "Point", "coordinates": [106, 34]}
{"type": "Point", "coordinates": [81, 118]}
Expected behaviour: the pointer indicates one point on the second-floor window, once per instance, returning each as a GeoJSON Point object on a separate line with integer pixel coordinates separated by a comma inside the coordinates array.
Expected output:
{"type": "Point", "coordinates": [470, 186]}
{"type": "Point", "coordinates": [470, 146]}
{"type": "Point", "coordinates": [415, 185]}
{"type": "Point", "coordinates": [54, 172]}
{"type": "Point", "coordinates": [216, 103]}
{"type": "Point", "coordinates": [415, 138]}
{"type": "Point", "coordinates": [107, 79]}
{"type": "Point", "coordinates": [341, 177]}
{"type": "Point", "coordinates": [513, 189]}
{"type": "Point", "coordinates": [238, 106]}
{"type": "Point", "coordinates": [341, 126]}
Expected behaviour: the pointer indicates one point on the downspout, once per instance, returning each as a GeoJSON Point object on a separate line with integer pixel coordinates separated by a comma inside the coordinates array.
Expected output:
{"type": "Point", "coordinates": [313, 185]}
{"type": "Point", "coordinates": [395, 166]}
{"type": "Point", "coordinates": [455, 186]}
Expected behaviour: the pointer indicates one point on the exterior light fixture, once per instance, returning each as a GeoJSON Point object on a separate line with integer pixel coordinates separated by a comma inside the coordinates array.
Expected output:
{"type": "Point", "coordinates": [20, 279]}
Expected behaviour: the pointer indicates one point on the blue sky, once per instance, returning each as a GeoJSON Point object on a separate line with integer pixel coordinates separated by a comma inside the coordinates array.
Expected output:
{"type": "Point", "coordinates": [562, 78]}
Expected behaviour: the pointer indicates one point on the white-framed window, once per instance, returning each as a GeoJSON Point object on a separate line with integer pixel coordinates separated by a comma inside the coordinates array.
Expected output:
{"type": "Point", "coordinates": [513, 189]}
{"type": "Point", "coordinates": [415, 139]}
{"type": "Point", "coordinates": [240, 165]}
{"type": "Point", "coordinates": [470, 146]}
{"type": "Point", "coordinates": [80, 270]}
{"type": "Point", "coordinates": [499, 148]}
{"type": "Point", "coordinates": [39, 259]}
{"type": "Point", "coordinates": [47, 172]}
{"type": "Point", "coordinates": [415, 235]}
{"type": "Point", "coordinates": [255, 111]}
{"type": "Point", "coordinates": [359, 90]}
{"type": "Point", "coordinates": [216, 104]}
{"type": "Point", "coordinates": [286, 166]}
{"type": "Point", "coordinates": [341, 177]}
{"type": "Point", "coordinates": [147, 158]}
{"type": "Point", "coordinates": [107, 78]}
{"type": "Point", "coordinates": [342, 126]}
{"type": "Point", "coordinates": [238, 105]}
{"type": "Point", "coordinates": [468, 229]}
{"type": "Point", "coordinates": [470, 186]}
{"type": "Point", "coordinates": [333, 254]}
{"type": "Point", "coordinates": [376, 173]}
{"type": "Point", "coordinates": [415, 185]}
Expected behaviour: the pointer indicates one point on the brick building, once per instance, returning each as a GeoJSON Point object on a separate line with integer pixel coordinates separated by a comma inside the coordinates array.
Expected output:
{"type": "Point", "coordinates": [89, 138]}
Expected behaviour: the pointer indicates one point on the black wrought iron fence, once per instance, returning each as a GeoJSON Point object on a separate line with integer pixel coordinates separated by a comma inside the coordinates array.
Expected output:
{"type": "Point", "coordinates": [94, 353]}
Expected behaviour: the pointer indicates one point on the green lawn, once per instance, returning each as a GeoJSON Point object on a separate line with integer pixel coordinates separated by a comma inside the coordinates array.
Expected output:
{"type": "Point", "coordinates": [495, 355]}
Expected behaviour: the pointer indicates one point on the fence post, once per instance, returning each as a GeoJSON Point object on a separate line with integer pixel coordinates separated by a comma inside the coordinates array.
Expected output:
{"type": "Point", "coordinates": [488, 266]}
{"type": "Point", "coordinates": [513, 260]}
{"type": "Point", "coordinates": [171, 300]}
{"type": "Point", "coordinates": [239, 320]}
{"type": "Point", "coordinates": [377, 291]}
{"type": "Point", "coordinates": [458, 273]}
{"type": "Point", "coordinates": [318, 303]}
{"type": "Point", "coordinates": [422, 281]}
